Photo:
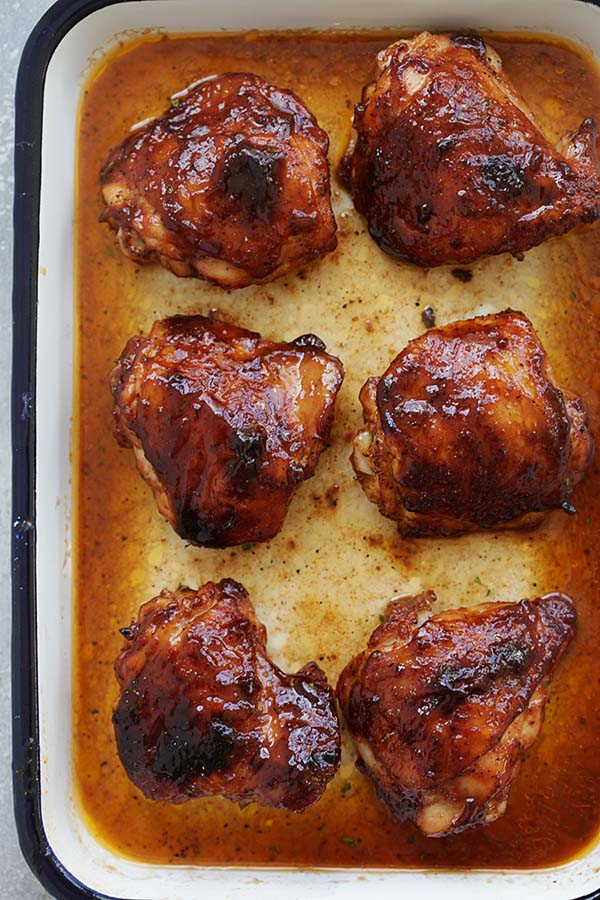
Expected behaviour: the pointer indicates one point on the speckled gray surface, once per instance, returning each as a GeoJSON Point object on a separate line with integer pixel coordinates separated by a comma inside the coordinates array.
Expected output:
{"type": "Point", "coordinates": [17, 18]}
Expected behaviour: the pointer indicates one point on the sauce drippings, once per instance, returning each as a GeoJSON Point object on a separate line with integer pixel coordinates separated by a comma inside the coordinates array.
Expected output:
{"type": "Point", "coordinates": [321, 584]}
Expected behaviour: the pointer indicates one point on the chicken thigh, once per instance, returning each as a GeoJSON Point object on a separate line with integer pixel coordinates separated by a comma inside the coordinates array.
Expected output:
{"type": "Point", "coordinates": [467, 429]}
{"type": "Point", "coordinates": [204, 711]}
{"type": "Point", "coordinates": [231, 184]}
{"type": "Point", "coordinates": [224, 425]}
{"type": "Point", "coordinates": [447, 163]}
{"type": "Point", "coordinates": [443, 710]}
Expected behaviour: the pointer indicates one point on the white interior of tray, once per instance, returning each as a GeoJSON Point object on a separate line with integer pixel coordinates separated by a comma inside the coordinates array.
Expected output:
{"type": "Point", "coordinates": [70, 838]}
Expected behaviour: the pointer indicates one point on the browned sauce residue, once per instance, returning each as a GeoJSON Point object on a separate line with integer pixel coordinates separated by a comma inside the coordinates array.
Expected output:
{"type": "Point", "coordinates": [321, 584]}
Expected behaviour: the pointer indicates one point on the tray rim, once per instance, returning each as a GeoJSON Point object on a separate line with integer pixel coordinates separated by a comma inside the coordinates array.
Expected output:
{"type": "Point", "coordinates": [39, 48]}
{"type": "Point", "coordinates": [41, 44]}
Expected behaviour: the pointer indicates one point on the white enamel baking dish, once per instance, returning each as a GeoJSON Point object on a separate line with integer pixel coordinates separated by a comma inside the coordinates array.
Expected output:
{"type": "Point", "coordinates": [54, 837]}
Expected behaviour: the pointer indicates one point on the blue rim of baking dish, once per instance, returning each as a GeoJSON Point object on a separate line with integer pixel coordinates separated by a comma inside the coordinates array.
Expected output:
{"type": "Point", "coordinates": [38, 51]}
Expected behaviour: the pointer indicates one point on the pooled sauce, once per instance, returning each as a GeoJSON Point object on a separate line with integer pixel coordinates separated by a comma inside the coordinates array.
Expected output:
{"type": "Point", "coordinates": [321, 584]}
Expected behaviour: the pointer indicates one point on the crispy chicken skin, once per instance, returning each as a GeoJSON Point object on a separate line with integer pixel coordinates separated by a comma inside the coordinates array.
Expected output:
{"type": "Point", "coordinates": [224, 424]}
{"type": "Point", "coordinates": [204, 711]}
{"type": "Point", "coordinates": [447, 164]}
{"type": "Point", "coordinates": [230, 184]}
{"type": "Point", "coordinates": [442, 712]}
{"type": "Point", "coordinates": [468, 430]}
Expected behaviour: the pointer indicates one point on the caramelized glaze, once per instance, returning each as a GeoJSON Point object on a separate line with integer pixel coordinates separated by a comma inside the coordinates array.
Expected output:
{"type": "Point", "coordinates": [204, 711]}
{"type": "Point", "coordinates": [231, 183]}
{"type": "Point", "coordinates": [447, 164]}
{"type": "Point", "coordinates": [224, 424]}
{"type": "Point", "coordinates": [442, 712]}
{"type": "Point", "coordinates": [321, 584]}
{"type": "Point", "coordinates": [466, 429]}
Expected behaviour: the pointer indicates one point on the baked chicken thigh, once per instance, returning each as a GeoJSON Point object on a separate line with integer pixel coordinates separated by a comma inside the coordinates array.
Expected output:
{"type": "Point", "coordinates": [448, 165]}
{"type": "Point", "coordinates": [224, 425]}
{"type": "Point", "coordinates": [442, 711]}
{"type": "Point", "coordinates": [231, 184]}
{"type": "Point", "coordinates": [204, 711]}
{"type": "Point", "coordinates": [467, 429]}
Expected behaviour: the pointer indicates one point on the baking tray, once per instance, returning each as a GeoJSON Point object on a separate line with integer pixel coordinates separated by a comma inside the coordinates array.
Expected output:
{"type": "Point", "coordinates": [55, 839]}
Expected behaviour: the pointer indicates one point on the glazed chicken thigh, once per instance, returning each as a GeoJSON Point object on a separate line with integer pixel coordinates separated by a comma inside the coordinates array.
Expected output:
{"type": "Point", "coordinates": [443, 710]}
{"type": "Point", "coordinates": [467, 429]}
{"type": "Point", "coordinates": [231, 184]}
{"type": "Point", "coordinates": [204, 711]}
{"type": "Point", "coordinates": [447, 163]}
{"type": "Point", "coordinates": [224, 425]}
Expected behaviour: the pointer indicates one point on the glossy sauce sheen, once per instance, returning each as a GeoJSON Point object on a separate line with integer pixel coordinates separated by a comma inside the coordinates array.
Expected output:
{"type": "Point", "coordinates": [463, 696]}
{"type": "Point", "coordinates": [221, 429]}
{"type": "Point", "coordinates": [263, 202]}
{"type": "Point", "coordinates": [524, 451]}
{"type": "Point", "coordinates": [321, 584]}
{"type": "Point", "coordinates": [499, 184]}
{"type": "Point", "coordinates": [185, 731]}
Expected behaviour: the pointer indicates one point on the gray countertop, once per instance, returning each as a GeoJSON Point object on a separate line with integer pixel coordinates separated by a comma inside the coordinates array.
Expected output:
{"type": "Point", "coordinates": [17, 18]}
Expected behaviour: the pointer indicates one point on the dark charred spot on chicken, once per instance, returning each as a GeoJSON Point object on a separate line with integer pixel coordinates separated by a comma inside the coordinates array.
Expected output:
{"type": "Point", "coordinates": [503, 660]}
{"type": "Point", "coordinates": [252, 176]}
{"type": "Point", "coordinates": [183, 752]}
{"type": "Point", "coordinates": [503, 176]}
{"type": "Point", "coordinates": [200, 530]}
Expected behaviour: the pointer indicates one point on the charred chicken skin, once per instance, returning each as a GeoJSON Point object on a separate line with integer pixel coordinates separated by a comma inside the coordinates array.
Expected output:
{"type": "Point", "coordinates": [443, 710]}
{"type": "Point", "coordinates": [468, 430]}
{"type": "Point", "coordinates": [230, 184]}
{"type": "Point", "coordinates": [447, 163]}
{"type": "Point", "coordinates": [224, 425]}
{"type": "Point", "coordinates": [204, 711]}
